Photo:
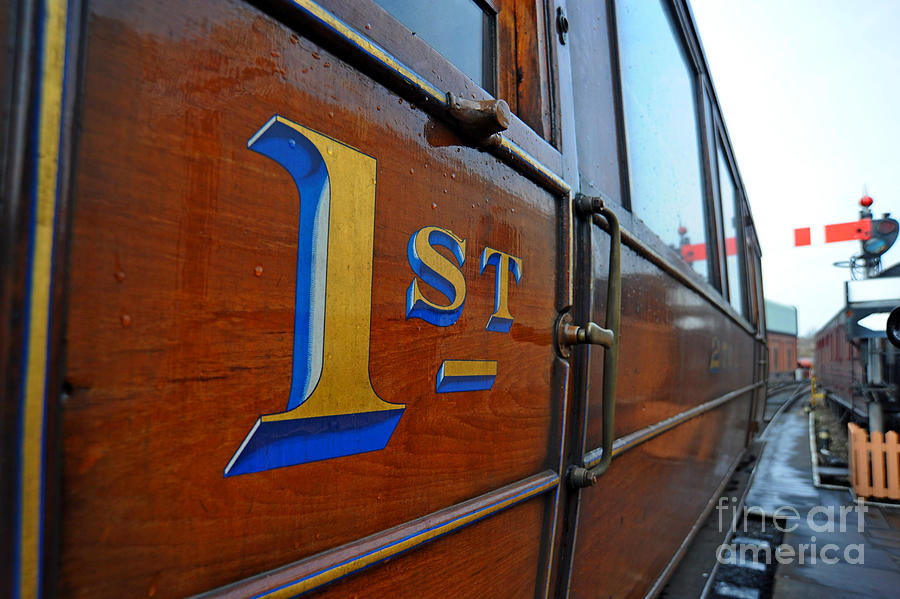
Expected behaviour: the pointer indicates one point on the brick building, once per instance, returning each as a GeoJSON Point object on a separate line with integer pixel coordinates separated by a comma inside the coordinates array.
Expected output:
{"type": "Point", "coordinates": [781, 330]}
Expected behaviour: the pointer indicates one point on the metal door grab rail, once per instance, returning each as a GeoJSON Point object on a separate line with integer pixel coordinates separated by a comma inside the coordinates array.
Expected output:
{"type": "Point", "coordinates": [580, 476]}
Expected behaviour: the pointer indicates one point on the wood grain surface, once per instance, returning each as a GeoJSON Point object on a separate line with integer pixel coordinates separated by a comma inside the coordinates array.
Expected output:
{"type": "Point", "coordinates": [181, 305]}
{"type": "Point", "coordinates": [676, 352]}
{"type": "Point", "coordinates": [633, 520]}
{"type": "Point", "coordinates": [462, 564]}
{"type": "Point", "coordinates": [182, 299]}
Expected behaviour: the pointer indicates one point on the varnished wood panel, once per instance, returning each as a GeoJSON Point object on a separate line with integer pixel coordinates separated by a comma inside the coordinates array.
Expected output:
{"type": "Point", "coordinates": [462, 564]}
{"type": "Point", "coordinates": [524, 69]}
{"type": "Point", "coordinates": [676, 351]}
{"type": "Point", "coordinates": [627, 533]}
{"type": "Point", "coordinates": [518, 38]}
{"type": "Point", "coordinates": [182, 299]}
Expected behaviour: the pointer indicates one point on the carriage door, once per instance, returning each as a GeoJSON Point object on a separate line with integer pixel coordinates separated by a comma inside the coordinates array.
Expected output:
{"type": "Point", "coordinates": [319, 251]}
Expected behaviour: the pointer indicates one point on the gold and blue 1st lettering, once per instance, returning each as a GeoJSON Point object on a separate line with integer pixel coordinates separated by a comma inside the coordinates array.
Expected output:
{"type": "Point", "coordinates": [444, 275]}
{"type": "Point", "coordinates": [332, 409]}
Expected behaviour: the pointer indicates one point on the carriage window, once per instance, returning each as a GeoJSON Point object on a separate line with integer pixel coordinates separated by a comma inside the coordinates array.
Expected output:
{"type": "Point", "coordinates": [734, 248]}
{"type": "Point", "coordinates": [461, 30]}
{"type": "Point", "coordinates": [754, 282]}
{"type": "Point", "coordinates": [662, 130]}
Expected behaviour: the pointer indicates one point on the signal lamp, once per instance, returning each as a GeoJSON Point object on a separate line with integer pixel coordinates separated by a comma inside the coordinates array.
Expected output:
{"type": "Point", "coordinates": [884, 234]}
{"type": "Point", "coordinates": [886, 226]}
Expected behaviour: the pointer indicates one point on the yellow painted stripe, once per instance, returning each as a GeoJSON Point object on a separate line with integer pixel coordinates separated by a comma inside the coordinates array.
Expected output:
{"type": "Point", "coordinates": [470, 368]}
{"type": "Point", "coordinates": [331, 574]}
{"type": "Point", "coordinates": [370, 47]}
{"type": "Point", "coordinates": [423, 84]}
{"type": "Point", "coordinates": [50, 111]}
{"type": "Point", "coordinates": [514, 148]}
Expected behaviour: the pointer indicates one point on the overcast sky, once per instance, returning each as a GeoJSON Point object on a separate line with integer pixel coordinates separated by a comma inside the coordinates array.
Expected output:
{"type": "Point", "coordinates": [810, 92]}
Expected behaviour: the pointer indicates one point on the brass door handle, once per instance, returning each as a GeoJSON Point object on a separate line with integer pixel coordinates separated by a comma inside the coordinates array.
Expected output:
{"type": "Point", "coordinates": [591, 334]}
{"type": "Point", "coordinates": [581, 476]}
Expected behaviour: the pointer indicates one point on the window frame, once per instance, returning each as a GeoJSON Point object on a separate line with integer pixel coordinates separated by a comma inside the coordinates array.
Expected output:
{"type": "Point", "coordinates": [708, 108]}
{"type": "Point", "coordinates": [543, 119]}
{"type": "Point", "coordinates": [682, 31]}
{"type": "Point", "coordinates": [491, 47]}
{"type": "Point", "coordinates": [753, 263]}
{"type": "Point", "coordinates": [716, 233]}
{"type": "Point", "coordinates": [740, 214]}
{"type": "Point", "coordinates": [491, 32]}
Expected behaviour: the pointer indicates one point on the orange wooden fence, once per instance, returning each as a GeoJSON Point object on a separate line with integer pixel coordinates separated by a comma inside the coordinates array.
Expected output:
{"type": "Point", "coordinates": [875, 463]}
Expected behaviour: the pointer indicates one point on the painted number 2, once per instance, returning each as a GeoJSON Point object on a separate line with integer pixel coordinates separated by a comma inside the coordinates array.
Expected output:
{"type": "Point", "coordinates": [332, 409]}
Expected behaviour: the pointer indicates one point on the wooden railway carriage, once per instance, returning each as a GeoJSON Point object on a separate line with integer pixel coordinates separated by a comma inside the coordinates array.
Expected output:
{"type": "Point", "coordinates": [855, 363]}
{"type": "Point", "coordinates": [291, 304]}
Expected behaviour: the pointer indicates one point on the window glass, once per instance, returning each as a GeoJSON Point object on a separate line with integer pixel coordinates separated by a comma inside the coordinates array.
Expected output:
{"type": "Point", "coordinates": [662, 131]}
{"type": "Point", "coordinates": [459, 29]}
{"type": "Point", "coordinates": [734, 249]}
{"type": "Point", "coordinates": [752, 282]}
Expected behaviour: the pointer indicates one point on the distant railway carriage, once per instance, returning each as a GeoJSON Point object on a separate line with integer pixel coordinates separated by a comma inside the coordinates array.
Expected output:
{"type": "Point", "coordinates": [366, 298]}
{"type": "Point", "coordinates": [854, 361]}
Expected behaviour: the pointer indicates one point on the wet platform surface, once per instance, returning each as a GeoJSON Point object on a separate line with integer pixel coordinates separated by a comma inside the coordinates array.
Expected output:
{"type": "Point", "coordinates": [833, 547]}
